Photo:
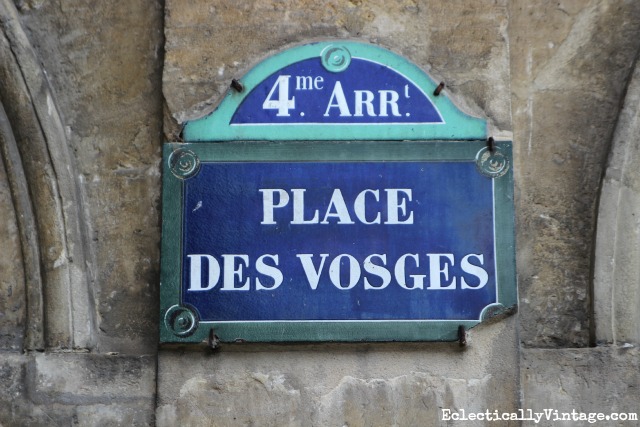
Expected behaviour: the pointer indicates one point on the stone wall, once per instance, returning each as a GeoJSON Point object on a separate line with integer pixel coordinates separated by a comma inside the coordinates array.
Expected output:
{"type": "Point", "coordinates": [79, 79]}
{"type": "Point", "coordinates": [325, 385]}
{"type": "Point", "coordinates": [335, 385]}
{"type": "Point", "coordinates": [90, 90]}
{"type": "Point", "coordinates": [570, 65]}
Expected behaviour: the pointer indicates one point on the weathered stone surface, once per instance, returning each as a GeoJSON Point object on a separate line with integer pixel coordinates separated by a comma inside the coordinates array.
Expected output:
{"type": "Point", "coordinates": [29, 4]}
{"type": "Point", "coordinates": [412, 399]}
{"type": "Point", "coordinates": [76, 389]}
{"type": "Point", "coordinates": [12, 369]}
{"type": "Point", "coordinates": [461, 43]}
{"type": "Point", "coordinates": [590, 380]}
{"type": "Point", "coordinates": [616, 269]}
{"type": "Point", "coordinates": [264, 393]}
{"type": "Point", "coordinates": [70, 378]}
{"type": "Point", "coordinates": [105, 67]}
{"type": "Point", "coordinates": [269, 399]}
{"type": "Point", "coordinates": [114, 415]}
{"type": "Point", "coordinates": [570, 61]}
{"type": "Point", "coordinates": [27, 255]}
{"type": "Point", "coordinates": [355, 385]}
{"type": "Point", "coordinates": [12, 291]}
{"type": "Point", "coordinates": [38, 134]}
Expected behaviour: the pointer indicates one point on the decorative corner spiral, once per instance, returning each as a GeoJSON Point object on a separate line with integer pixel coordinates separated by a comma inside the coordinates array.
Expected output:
{"type": "Point", "coordinates": [491, 310]}
{"type": "Point", "coordinates": [492, 163]}
{"type": "Point", "coordinates": [181, 321]}
{"type": "Point", "coordinates": [184, 163]}
{"type": "Point", "coordinates": [335, 59]}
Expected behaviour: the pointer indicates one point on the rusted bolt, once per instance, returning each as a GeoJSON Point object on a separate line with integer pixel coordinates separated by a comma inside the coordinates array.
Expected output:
{"type": "Point", "coordinates": [214, 341]}
{"type": "Point", "coordinates": [438, 89]}
{"type": "Point", "coordinates": [235, 84]}
{"type": "Point", "coordinates": [462, 336]}
{"type": "Point", "coordinates": [491, 144]}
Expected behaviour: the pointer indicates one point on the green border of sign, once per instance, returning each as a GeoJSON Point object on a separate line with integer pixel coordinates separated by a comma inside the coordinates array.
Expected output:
{"type": "Point", "coordinates": [461, 138]}
{"type": "Point", "coordinates": [180, 162]}
{"type": "Point", "coordinates": [216, 126]}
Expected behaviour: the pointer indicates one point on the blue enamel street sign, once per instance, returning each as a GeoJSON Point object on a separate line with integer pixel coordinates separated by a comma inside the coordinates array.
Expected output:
{"type": "Point", "coordinates": [385, 246]}
{"type": "Point", "coordinates": [286, 236]}
{"type": "Point", "coordinates": [305, 92]}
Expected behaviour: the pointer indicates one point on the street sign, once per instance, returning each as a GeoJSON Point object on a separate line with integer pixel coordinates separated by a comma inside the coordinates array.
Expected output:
{"type": "Point", "coordinates": [336, 91]}
{"type": "Point", "coordinates": [309, 92]}
{"type": "Point", "coordinates": [279, 238]}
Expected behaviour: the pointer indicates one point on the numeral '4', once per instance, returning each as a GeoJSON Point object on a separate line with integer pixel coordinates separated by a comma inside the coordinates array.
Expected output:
{"type": "Point", "coordinates": [283, 104]}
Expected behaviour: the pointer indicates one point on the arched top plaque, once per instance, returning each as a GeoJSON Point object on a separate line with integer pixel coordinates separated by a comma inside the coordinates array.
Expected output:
{"type": "Point", "coordinates": [337, 90]}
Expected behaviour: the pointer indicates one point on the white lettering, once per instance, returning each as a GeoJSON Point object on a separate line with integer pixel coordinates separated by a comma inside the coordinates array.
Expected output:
{"type": "Point", "coordinates": [195, 282]}
{"type": "Point", "coordinates": [359, 206]}
{"type": "Point", "coordinates": [339, 209]}
{"type": "Point", "coordinates": [361, 101]}
{"type": "Point", "coordinates": [298, 208]}
{"type": "Point", "coordinates": [268, 204]}
{"type": "Point", "coordinates": [313, 274]}
{"type": "Point", "coordinates": [376, 270]}
{"type": "Point", "coordinates": [437, 270]}
{"type": "Point", "coordinates": [283, 104]}
{"type": "Point", "coordinates": [231, 272]}
{"type": "Point", "coordinates": [340, 101]}
{"type": "Point", "coordinates": [268, 270]}
{"type": "Point", "coordinates": [335, 271]}
{"type": "Point", "coordinates": [474, 270]}
{"type": "Point", "coordinates": [309, 83]}
{"type": "Point", "coordinates": [304, 82]}
{"type": "Point", "coordinates": [389, 98]}
{"type": "Point", "coordinates": [418, 279]}
{"type": "Point", "coordinates": [395, 206]}
{"type": "Point", "coordinates": [345, 271]}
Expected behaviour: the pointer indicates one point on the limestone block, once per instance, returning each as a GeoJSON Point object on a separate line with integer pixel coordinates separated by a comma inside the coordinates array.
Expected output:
{"type": "Point", "coordinates": [270, 399]}
{"type": "Point", "coordinates": [12, 370]}
{"type": "Point", "coordinates": [589, 380]}
{"type": "Point", "coordinates": [76, 389]}
{"type": "Point", "coordinates": [356, 385]}
{"type": "Point", "coordinates": [413, 399]}
{"type": "Point", "coordinates": [105, 68]}
{"type": "Point", "coordinates": [84, 379]}
{"type": "Point", "coordinates": [16, 409]}
{"type": "Point", "coordinates": [210, 401]}
{"type": "Point", "coordinates": [114, 415]}
{"type": "Point", "coordinates": [570, 63]}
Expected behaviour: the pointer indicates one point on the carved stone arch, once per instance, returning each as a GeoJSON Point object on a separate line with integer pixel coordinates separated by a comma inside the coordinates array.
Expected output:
{"type": "Point", "coordinates": [617, 255]}
{"type": "Point", "coordinates": [46, 195]}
